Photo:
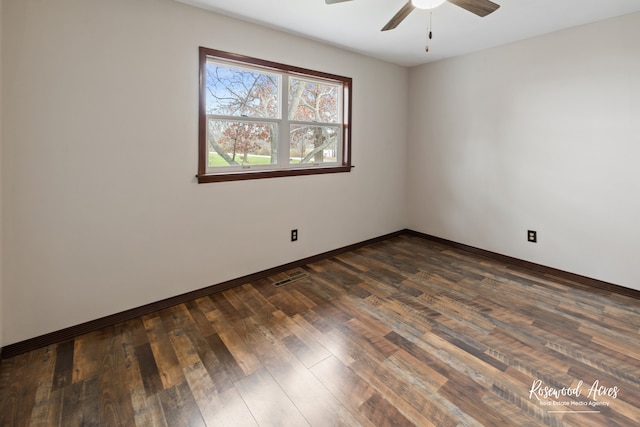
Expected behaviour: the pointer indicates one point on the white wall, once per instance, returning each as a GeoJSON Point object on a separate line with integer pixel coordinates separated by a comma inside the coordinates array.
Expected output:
{"type": "Point", "coordinates": [102, 212]}
{"type": "Point", "coordinates": [1, 173]}
{"type": "Point", "coordinates": [542, 134]}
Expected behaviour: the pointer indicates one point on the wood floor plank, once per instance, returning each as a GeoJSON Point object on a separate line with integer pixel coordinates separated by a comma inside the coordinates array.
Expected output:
{"type": "Point", "coordinates": [179, 407]}
{"type": "Point", "coordinates": [222, 377]}
{"type": "Point", "coordinates": [267, 401]}
{"type": "Point", "coordinates": [81, 404]}
{"type": "Point", "coordinates": [148, 369]}
{"type": "Point", "coordinates": [147, 410]}
{"type": "Point", "coordinates": [201, 323]}
{"type": "Point", "coordinates": [419, 385]}
{"type": "Point", "coordinates": [324, 336]}
{"type": "Point", "coordinates": [382, 413]}
{"type": "Point", "coordinates": [462, 389]}
{"type": "Point", "coordinates": [345, 385]}
{"type": "Point", "coordinates": [63, 374]}
{"type": "Point", "coordinates": [165, 359]}
{"type": "Point", "coordinates": [224, 355]}
{"type": "Point", "coordinates": [619, 346]}
{"type": "Point", "coordinates": [43, 374]}
{"type": "Point", "coordinates": [355, 344]}
{"type": "Point", "coordinates": [313, 400]}
{"type": "Point", "coordinates": [405, 331]}
{"type": "Point", "coordinates": [523, 411]}
{"type": "Point", "coordinates": [373, 333]}
{"type": "Point", "coordinates": [151, 413]}
{"type": "Point", "coordinates": [85, 359]}
{"type": "Point", "coordinates": [308, 351]}
{"type": "Point", "coordinates": [256, 298]}
{"type": "Point", "coordinates": [115, 405]}
{"type": "Point", "coordinates": [352, 354]}
{"type": "Point", "coordinates": [177, 317]}
{"type": "Point", "coordinates": [229, 347]}
{"type": "Point", "coordinates": [389, 383]}
{"type": "Point", "coordinates": [210, 403]}
{"type": "Point", "coordinates": [15, 389]}
{"type": "Point", "coordinates": [226, 309]}
{"type": "Point", "coordinates": [54, 414]}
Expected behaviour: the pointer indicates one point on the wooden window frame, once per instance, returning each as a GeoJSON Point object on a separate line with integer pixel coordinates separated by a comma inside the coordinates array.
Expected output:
{"type": "Point", "coordinates": [205, 176]}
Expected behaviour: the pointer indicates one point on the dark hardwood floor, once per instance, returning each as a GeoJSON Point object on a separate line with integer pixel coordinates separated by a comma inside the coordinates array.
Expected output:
{"type": "Point", "coordinates": [398, 333]}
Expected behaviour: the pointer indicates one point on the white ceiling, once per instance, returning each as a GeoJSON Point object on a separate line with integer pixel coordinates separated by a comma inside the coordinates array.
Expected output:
{"type": "Point", "coordinates": [355, 25]}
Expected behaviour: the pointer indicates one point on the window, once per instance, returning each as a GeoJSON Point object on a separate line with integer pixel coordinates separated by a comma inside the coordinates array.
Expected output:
{"type": "Point", "coordinates": [260, 119]}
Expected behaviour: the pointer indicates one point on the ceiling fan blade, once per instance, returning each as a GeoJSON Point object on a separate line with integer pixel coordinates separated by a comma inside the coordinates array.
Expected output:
{"type": "Point", "coordinates": [334, 1]}
{"type": "Point", "coordinates": [399, 17]}
{"type": "Point", "coordinates": [479, 7]}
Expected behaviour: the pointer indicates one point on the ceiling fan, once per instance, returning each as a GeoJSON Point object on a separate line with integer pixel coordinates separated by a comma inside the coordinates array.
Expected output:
{"type": "Point", "coordinates": [478, 7]}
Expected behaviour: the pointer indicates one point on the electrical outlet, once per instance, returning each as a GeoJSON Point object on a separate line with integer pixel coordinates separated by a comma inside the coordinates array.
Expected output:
{"type": "Point", "coordinates": [294, 235]}
{"type": "Point", "coordinates": [532, 236]}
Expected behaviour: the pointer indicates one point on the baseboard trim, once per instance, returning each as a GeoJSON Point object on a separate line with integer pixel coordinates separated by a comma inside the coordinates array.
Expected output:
{"type": "Point", "coordinates": [575, 279]}
{"type": "Point", "coordinates": [83, 328]}
{"type": "Point", "coordinates": [92, 325]}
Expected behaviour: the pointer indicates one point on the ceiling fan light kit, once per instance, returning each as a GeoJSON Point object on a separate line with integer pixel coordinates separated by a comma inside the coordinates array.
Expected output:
{"type": "Point", "coordinates": [427, 4]}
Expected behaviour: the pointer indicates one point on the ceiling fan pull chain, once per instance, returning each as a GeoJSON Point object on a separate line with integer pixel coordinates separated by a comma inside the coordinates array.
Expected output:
{"type": "Point", "coordinates": [430, 36]}
{"type": "Point", "coordinates": [430, 26]}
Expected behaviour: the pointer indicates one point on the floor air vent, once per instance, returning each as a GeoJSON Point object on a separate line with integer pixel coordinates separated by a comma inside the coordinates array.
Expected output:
{"type": "Point", "coordinates": [291, 277]}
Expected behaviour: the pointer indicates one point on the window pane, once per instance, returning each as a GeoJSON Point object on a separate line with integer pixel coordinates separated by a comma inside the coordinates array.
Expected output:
{"type": "Point", "coordinates": [240, 92]}
{"type": "Point", "coordinates": [313, 144]}
{"type": "Point", "coordinates": [235, 143]}
{"type": "Point", "coordinates": [313, 101]}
